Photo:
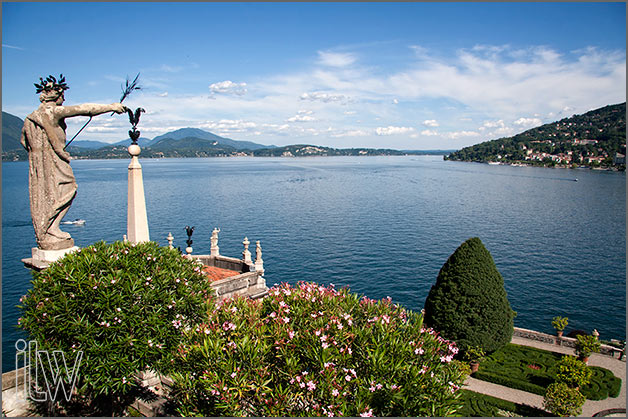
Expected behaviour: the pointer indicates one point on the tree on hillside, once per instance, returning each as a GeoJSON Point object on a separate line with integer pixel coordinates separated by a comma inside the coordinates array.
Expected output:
{"type": "Point", "coordinates": [468, 303]}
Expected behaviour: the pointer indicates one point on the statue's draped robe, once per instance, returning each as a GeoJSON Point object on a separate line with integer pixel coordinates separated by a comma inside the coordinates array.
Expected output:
{"type": "Point", "coordinates": [51, 180]}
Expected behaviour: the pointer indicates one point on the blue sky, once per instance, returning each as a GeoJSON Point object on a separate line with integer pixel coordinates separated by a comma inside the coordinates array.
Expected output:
{"type": "Point", "coordinates": [398, 75]}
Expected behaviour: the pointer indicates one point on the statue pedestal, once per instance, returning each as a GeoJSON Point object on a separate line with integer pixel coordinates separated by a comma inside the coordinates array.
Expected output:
{"type": "Point", "coordinates": [41, 259]}
{"type": "Point", "coordinates": [137, 220]}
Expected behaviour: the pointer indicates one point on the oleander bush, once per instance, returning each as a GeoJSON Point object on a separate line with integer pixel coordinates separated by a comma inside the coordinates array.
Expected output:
{"type": "Point", "coordinates": [124, 306]}
{"type": "Point", "coordinates": [311, 350]}
{"type": "Point", "coordinates": [468, 302]}
{"type": "Point", "coordinates": [562, 400]}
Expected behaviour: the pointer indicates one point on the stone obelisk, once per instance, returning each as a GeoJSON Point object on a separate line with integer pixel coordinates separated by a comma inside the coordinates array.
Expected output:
{"type": "Point", "coordinates": [137, 220]}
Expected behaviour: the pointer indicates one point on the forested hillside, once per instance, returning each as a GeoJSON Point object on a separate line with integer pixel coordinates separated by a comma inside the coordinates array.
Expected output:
{"type": "Point", "coordinates": [596, 139]}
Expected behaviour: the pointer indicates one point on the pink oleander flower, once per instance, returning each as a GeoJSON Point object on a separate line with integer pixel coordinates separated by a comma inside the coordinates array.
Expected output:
{"type": "Point", "coordinates": [335, 393]}
{"type": "Point", "coordinates": [419, 351]}
{"type": "Point", "coordinates": [311, 386]}
{"type": "Point", "coordinates": [367, 414]}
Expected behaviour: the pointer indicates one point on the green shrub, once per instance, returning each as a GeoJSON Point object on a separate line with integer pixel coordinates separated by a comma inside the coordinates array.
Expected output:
{"type": "Point", "coordinates": [560, 323]}
{"type": "Point", "coordinates": [603, 384]}
{"type": "Point", "coordinates": [124, 306]}
{"type": "Point", "coordinates": [586, 344]}
{"type": "Point", "coordinates": [315, 351]}
{"type": "Point", "coordinates": [481, 405]}
{"type": "Point", "coordinates": [511, 382]}
{"type": "Point", "coordinates": [468, 302]}
{"type": "Point", "coordinates": [572, 372]}
{"type": "Point", "coordinates": [474, 354]}
{"type": "Point", "coordinates": [562, 400]}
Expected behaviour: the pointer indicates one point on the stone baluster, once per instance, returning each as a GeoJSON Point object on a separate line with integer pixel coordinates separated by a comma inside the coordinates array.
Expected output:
{"type": "Point", "coordinates": [214, 250]}
{"type": "Point", "coordinates": [170, 241]}
{"type": "Point", "coordinates": [259, 263]}
{"type": "Point", "coordinates": [246, 254]}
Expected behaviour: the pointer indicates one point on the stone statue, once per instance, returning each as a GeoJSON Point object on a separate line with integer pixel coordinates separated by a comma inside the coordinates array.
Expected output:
{"type": "Point", "coordinates": [51, 181]}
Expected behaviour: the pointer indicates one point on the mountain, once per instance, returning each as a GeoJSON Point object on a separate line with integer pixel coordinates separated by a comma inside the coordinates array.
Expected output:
{"type": "Point", "coordinates": [593, 139]}
{"type": "Point", "coordinates": [142, 142]}
{"type": "Point", "coordinates": [11, 132]}
{"type": "Point", "coordinates": [206, 135]}
{"type": "Point", "coordinates": [89, 144]}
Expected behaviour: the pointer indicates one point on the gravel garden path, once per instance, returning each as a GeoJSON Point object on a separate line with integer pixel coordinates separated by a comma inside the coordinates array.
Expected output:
{"type": "Point", "coordinates": [590, 407]}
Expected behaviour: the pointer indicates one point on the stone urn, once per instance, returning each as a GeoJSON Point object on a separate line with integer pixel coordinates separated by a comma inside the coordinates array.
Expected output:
{"type": "Point", "coordinates": [559, 333]}
{"type": "Point", "coordinates": [475, 365]}
{"type": "Point", "coordinates": [584, 359]}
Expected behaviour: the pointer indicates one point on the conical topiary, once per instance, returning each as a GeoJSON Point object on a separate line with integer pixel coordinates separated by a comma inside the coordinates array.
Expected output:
{"type": "Point", "coordinates": [468, 304]}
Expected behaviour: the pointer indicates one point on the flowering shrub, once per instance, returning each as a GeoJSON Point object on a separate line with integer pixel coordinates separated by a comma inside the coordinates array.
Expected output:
{"type": "Point", "coordinates": [311, 350]}
{"type": "Point", "coordinates": [124, 306]}
{"type": "Point", "coordinates": [562, 400]}
{"type": "Point", "coordinates": [572, 372]}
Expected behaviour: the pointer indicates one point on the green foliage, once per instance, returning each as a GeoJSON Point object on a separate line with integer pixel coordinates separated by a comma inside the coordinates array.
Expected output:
{"type": "Point", "coordinates": [481, 405]}
{"type": "Point", "coordinates": [468, 304]}
{"type": "Point", "coordinates": [124, 306]}
{"type": "Point", "coordinates": [311, 350]}
{"type": "Point", "coordinates": [532, 370]}
{"type": "Point", "coordinates": [562, 400]}
{"type": "Point", "coordinates": [586, 344]}
{"type": "Point", "coordinates": [603, 384]}
{"type": "Point", "coordinates": [572, 372]}
{"type": "Point", "coordinates": [607, 125]}
{"type": "Point", "coordinates": [474, 354]}
{"type": "Point", "coordinates": [560, 323]}
{"type": "Point", "coordinates": [512, 382]}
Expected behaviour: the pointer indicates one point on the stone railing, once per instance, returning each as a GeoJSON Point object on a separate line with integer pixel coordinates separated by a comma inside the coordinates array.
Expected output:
{"type": "Point", "coordinates": [14, 397]}
{"type": "Point", "coordinates": [561, 341]}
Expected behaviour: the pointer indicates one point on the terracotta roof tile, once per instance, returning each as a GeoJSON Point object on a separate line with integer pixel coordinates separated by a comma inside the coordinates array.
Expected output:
{"type": "Point", "coordinates": [216, 274]}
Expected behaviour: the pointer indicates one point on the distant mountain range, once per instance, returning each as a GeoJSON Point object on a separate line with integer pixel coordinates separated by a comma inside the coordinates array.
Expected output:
{"type": "Point", "coordinates": [184, 142]}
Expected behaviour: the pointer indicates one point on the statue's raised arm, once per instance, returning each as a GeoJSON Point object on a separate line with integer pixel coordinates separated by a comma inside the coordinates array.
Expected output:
{"type": "Point", "coordinates": [51, 184]}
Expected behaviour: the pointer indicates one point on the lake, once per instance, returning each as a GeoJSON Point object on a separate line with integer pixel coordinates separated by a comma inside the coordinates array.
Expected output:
{"type": "Point", "coordinates": [382, 226]}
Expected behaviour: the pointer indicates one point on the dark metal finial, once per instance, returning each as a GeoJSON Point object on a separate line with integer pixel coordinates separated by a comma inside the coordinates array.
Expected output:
{"type": "Point", "coordinates": [189, 230]}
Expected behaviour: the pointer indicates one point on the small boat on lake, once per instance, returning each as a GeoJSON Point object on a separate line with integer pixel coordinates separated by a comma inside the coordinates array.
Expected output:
{"type": "Point", "coordinates": [78, 221]}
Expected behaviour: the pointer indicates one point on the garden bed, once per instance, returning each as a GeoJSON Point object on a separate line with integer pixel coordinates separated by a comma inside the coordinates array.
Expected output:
{"type": "Point", "coordinates": [531, 369]}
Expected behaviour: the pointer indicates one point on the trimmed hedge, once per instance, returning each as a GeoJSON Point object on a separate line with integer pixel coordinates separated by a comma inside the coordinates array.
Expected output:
{"type": "Point", "coordinates": [603, 384]}
{"type": "Point", "coordinates": [468, 303]}
{"type": "Point", "coordinates": [481, 405]}
{"type": "Point", "coordinates": [509, 382]}
{"type": "Point", "coordinates": [510, 367]}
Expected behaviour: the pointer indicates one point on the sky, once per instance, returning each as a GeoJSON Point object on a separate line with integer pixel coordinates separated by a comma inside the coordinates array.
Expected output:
{"type": "Point", "coordinates": [383, 75]}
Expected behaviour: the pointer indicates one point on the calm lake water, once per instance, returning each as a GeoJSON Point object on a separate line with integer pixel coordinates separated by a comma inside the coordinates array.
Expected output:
{"type": "Point", "coordinates": [383, 226]}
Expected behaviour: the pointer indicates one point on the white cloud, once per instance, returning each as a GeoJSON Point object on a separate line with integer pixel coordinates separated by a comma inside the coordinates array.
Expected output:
{"type": "Point", "coordinates": [323, 97]}
{"type": "Point", "coordinates": [335, 59]}
{"type": "Point", "coordinates": [350, 133]}
{"type": "Point", "coordinates": [461, 134]}
{"type": "Point", "coordinates": [431, 123]}
{"type": "Point", "coordinates": [12, 47]}
{"type": "Point", "coordinates": [228, 87]}
{"type": "Point", "coordinates": [492, 124]}
{"type": "Point", "coordinates": [164, 94]}
{"type": "Point", "coordinates": [301, 118]}
{"type": "Point", "coordinates": [391, 130]}
{"type": "Point", "coordinates": [429, 133]}
{"type": "Point", "coordinates": [528, 122]}
{"type": "Point", "coordinates": [395, 101]}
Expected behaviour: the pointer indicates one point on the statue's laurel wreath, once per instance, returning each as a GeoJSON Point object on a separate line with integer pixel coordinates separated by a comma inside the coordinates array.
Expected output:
{"type": "Point", "coordinates": [51, 83]}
